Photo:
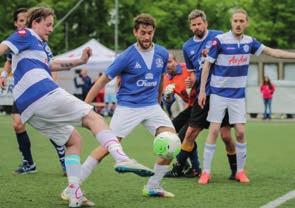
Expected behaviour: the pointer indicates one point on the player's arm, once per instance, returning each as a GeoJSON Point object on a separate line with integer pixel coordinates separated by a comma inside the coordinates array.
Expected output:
{"type": "Point", "coordinates": [204, 78]}
{"type": "Point", "coordinates": [98, 85]}
{"type": "Point", "coordinates": [3, 49]}
{"type": "Point", "coordinates": [278, 53]}
{"type": "Point", "coordinates": [4, 73]}
{"type": "Point", "coordinates": [63, 65]}
{"type": "Point", "coordinates": [161, 88]}
{"type": "Point", "coordinates": [7, 66]}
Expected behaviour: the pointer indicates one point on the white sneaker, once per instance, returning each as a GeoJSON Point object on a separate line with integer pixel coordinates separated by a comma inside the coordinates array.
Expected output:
{"type": "Point", "coordinates": [65, 195]}
{"type": "Point", "coordinates": [132, 166]}
{"type": "Point", "coordinates": [157, 191]}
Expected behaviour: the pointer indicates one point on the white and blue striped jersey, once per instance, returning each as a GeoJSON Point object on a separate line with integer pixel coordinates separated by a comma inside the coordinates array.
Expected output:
{"type": "Point", "coordinates": [140, 74]}
{"type": "Point", "coordinates": [192, 53]}
{"type": "Point", "coordinates": [30, 67]}
{"type": "Point", "coordinates": [231, 62]}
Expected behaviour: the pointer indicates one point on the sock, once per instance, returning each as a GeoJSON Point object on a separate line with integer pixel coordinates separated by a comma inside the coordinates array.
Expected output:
{"type": "Point", "coordinates": [109, 141]}
{"type": "Point", "coordinates": [73, 167]}
{"type": "Point", "coordinates": [60, 152]}
{"type": "Point", "coordinates": [87, 168]}
{"type": "Point", "coordinates": [182, 157]}
{"type": "Point", "coordinates": [209, 151]}
{"type": "Point", "coordinates": [232, 160]}
{"type": "Point", "coordinates": [24, 145]}
{"type": "Point", "coordinates": [241, 149]}
{"type": "Point", "coordinates": [193, 156]}
{"type": "Point", "coordinates": [155, 180]}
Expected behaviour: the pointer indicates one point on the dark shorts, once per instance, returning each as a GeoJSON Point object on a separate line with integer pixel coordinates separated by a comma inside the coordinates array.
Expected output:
{"type": "Point", "coordinates": [198, 116]}
{"type": "Point", "coordinates": [181, 119]}
{"type": "Point", "coordinates": [14, 109]}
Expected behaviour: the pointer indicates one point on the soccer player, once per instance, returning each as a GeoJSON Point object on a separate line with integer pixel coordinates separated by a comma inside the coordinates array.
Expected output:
{"type": "Point", "coordinates": [228, 60]}
{"type": "Point", "coordinates": [174, 83]}
{"type": "Point", "coordinates": [23, 140]}
{"type": "Point", "coordinates": [194, 51]}
{"type": "Point", "coordinates": [140, 68]}
{"type": "Point", "coordinates": [50, 109]}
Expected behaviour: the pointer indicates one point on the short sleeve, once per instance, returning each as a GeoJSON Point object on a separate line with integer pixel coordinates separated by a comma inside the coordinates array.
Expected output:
{"type": "Point", "coordinates": [214, 50]}
{"type": "Point", "coordinates": [18, 41]}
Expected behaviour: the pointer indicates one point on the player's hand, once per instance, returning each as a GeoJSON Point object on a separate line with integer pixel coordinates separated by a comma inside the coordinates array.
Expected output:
{"type": "Point", "coordinates": [2, 82]}
{"type": "Point", "coordinates": [188, 83]}
{"type": "Point", "coordinates": [205, 52]}
{"type": "Point", "coordinates": [87, 52]}
{"type": "Point", "coordinates": [202, 99]}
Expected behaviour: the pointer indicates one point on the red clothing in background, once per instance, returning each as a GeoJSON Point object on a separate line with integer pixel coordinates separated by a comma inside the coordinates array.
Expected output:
{"type": "Point", "coordinates": [267, 91]}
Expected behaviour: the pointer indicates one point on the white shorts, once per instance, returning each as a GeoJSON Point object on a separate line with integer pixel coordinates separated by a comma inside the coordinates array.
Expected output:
{"type": "Point", "coordinates": [218, 105]}
{"type": "Point", "coordinates": [125, 119]}
{"type": "Point", "coordinates": [56, 113]}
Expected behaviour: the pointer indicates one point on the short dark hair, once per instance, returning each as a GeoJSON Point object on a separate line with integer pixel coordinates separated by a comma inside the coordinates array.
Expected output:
{"type": "Point", "coordinates": [19, 10]}
{"type": "Point", "coordinates": [197, 13]}
{"type": "Point", "coordinates": [37, 14]}
{"type": "Point", "coordinates": [144, 19]}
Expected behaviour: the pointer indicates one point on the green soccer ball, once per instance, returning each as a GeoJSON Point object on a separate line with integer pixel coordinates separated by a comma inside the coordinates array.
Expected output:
{"type": "Point", "coordinates": [167, 145]}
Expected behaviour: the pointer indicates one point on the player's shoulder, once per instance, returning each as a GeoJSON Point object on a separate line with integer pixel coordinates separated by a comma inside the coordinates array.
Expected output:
{"type": "Point", "coordinates": [22, 33]}
{"type": "Point", "coordinates": [187, 43]}
{"type": "Point", "coordinates": [215, 32]}
{"type": "Point", "coordinates": [127, 53]}
{"type": "Point", "coordinates": [161, 49]}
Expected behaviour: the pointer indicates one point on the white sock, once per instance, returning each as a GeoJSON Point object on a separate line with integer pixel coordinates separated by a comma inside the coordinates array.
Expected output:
{"type": "Point", "coordinates": [87, 168]}
{"type": "Point", "coordinates": [73, 167]}
{"type": "Point", "coordinates": [109, 141]}
{"type": "Point", "coordinates": [241, 149]}
{"type": "Point", "coordinates": [160, 171]}
{"type": "Point", "coordinates": [209, 151]}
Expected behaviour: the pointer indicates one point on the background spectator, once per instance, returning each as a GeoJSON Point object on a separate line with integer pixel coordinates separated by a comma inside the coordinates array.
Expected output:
{"type": "Point", "coordinates": [267, 89]}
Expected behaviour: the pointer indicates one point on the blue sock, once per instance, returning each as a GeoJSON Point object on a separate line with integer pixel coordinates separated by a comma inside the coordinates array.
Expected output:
{"type": "Point", "coordinates": [24, 146]}
{"type": "Point", "coordinates": [194, 158]}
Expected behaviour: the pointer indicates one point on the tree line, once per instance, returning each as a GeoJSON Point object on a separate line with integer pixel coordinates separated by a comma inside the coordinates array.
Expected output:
{"type": "Point", "coordinates": [270, 20]}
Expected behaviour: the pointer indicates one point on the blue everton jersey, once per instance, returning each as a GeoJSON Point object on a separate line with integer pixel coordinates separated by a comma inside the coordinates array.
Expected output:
{"type": "Point", "coordinates": [231, 62]}
{"type": "Point", "coordinates": [192, 52]}
{"type": "Point", "coordinates": [139, 80]}
{"type": "Point", "coordinates": [30, 67]}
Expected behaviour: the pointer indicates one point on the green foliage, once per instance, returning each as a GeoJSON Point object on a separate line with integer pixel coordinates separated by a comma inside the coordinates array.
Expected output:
{"type": "Point", "coordinates": [270, 20]}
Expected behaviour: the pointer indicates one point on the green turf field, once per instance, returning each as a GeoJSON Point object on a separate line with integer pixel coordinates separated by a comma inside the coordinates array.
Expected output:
{"type": "Point", "coordinates": [270, 166]}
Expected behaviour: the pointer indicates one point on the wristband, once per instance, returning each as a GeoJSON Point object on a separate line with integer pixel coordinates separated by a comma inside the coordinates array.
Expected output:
{"type": "Point", "coordinates": [4, 74]}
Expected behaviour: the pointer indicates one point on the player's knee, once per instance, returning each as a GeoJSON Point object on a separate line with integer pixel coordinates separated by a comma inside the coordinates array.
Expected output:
{"type": "Point", "coordinates": [240, 134]}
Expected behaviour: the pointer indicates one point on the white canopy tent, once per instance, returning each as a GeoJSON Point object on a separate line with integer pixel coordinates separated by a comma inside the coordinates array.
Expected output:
{"type": "Point", "coordinates": [101, 58]}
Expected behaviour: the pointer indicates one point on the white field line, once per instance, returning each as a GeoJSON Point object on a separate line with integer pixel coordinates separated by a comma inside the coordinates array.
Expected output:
{"type": "Point", "coordinates": [277, 202]}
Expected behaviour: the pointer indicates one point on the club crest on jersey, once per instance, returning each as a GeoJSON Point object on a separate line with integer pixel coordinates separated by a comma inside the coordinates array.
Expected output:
{"type": "Point", "coordinates": [246, 48]}
{"type": "Point", "coordinates": [192, 52]}
{"type": "Point", "coordinates": [137, 66]}
{"type": "Point", "coordinates": [22, 32]}
{"type": "Point", "coordinates": [159, 63]}
{"type": "Point", "coordinates": [149, 76]}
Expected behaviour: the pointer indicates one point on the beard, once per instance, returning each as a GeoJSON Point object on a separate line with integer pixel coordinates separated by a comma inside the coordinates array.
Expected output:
{"type": "Point", "coordinates": [199, 34]}
{"type": "Point", "coordinates": [145, 45]}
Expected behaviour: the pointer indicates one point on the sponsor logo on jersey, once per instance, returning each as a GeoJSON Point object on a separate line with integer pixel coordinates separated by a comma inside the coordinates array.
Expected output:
{"type": "Point", "coordinates": [237, 60]}
{"type": "Point", "coordinates": [137, 66]}
{"type": "Point", "coordinates": [159, 63]}
{"type": "Point", "coordinates": [146, 83]}
{"type": "Point", "coordinates": [22, 32]}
